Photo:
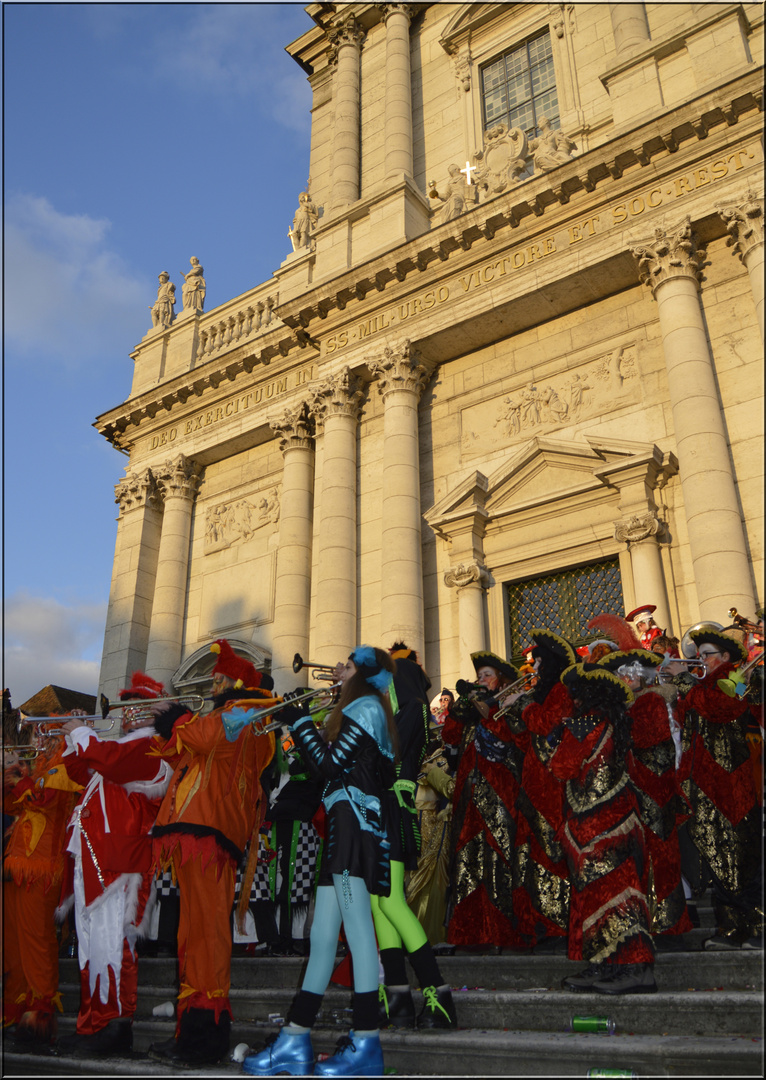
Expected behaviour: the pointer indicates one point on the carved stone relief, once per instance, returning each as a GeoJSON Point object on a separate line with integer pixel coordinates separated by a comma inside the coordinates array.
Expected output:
{"type": "Point", "coordinates": [637, 528]}
{"type": "Point", "coordinates": [507, 158]}
{"type": "Point", "coordinates": [458, 577]}
{"type": "Point", "coordinates": [240, 519]}
{"type": "Point", "coordinates": [671, 252]}
{"type": "Point", "coordinates": [536, 407]}
{"type": "Point", "coordinates": [744, 223]}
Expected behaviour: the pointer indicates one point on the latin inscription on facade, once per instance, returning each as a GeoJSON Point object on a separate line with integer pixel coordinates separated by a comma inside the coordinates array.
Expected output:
{"type": "Point", "coordinates": [230, 408]}
{"type": "Point", "coordinates": [618, 215]}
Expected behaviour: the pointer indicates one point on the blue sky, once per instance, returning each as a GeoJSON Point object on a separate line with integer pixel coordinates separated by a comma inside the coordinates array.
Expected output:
{"type": "Point", "coordinates": [136, 136]}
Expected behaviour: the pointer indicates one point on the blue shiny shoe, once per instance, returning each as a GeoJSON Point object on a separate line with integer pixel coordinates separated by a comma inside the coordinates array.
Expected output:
{"type": "Point", "coordinates": [354, 1056]}
{"type": "Point", "coordinates": [283, 1053]}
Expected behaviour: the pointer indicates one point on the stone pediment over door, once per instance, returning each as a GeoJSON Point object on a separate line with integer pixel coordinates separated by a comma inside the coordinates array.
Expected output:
{"type": "Point", "coordinates": [545, 478]}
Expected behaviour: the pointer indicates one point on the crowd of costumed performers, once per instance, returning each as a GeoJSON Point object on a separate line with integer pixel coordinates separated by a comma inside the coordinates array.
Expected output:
{"type": "Point", "coordinates": [578, 804]}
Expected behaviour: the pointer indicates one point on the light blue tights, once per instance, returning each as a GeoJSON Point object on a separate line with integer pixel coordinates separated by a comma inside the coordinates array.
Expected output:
{"type": "Point", "coordinates": [348, 901]}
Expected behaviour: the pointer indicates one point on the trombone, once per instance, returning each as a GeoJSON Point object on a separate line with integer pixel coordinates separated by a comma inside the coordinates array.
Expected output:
{"type": "Point", "coordinates": [318, 672]}
{"type": "Point", "coordinates": [736, 685]}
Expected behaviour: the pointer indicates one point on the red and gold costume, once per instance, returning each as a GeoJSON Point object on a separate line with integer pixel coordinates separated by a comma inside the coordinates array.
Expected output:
{"type": "Point", "coordinates": [603, 836]}
{"type": "Point", "coordinates": [652, 769]}
{"type": "Point", "coordinates": [34, 867]}
{"type": "Point", "coordinates": [541, 899]}
{"type": "Point", "coordinates": [717, 778]}
{"type": "Point", "coordinates": [484, 822]}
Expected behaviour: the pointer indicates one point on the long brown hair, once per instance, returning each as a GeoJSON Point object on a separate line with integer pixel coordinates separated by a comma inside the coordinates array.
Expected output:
{"type": "Point", "coordinates": [356, 687]}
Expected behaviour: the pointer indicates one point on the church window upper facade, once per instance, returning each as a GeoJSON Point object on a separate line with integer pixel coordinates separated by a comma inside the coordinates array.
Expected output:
{"type": "Point", "coordinates": [519, 87]}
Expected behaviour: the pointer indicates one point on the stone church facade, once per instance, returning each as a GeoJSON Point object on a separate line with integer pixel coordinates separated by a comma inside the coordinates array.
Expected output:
{"type": "Point", "coordinates": [511, 372]}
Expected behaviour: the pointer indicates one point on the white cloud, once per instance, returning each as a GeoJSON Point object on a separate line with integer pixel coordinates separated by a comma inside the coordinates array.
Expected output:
{"type": "Point", "coordinates": [66, 292]}
{"type": "Point", "coordinates": [229, 49]}
{"type": "Point", "coordinates": [47, 642]}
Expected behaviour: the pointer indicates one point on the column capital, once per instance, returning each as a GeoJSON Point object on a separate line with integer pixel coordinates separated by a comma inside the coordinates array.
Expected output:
{"type": "Point", "coordinates": [638, 527]}
{"type": "Point", "coordinates": [338, 395]}
{"type": "Point", "coordinates": [347, 32]}
{"type": "Point", "coordinates": [473, 573]}
{"type": "Point", "coordinates": [387, 10]}
{"type": "Point", "coordinates": [744, 223]}
{"type": "Point", "coordinates": [295, 427]}
{"type": "Point", "coordinates": [670, 253]}
{"type": "Point", "coordinates": [137, 490]}
{"type": "Point", "coordinates": [399, 369]}
{"type": "Point", "coordinates": [179, 478]}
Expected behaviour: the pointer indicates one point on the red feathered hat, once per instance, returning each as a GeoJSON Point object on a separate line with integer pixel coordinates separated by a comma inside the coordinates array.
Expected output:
{"type": "Point", "coordinates": [142, 686]}
{"type": "Point", "coordinates": [616, 629]}
{"type": "Point", "coordinates": [234, 667]}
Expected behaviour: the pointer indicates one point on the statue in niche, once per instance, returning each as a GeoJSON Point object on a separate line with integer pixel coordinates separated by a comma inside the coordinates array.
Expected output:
{"type": "Point", "coordinates": [193, 290]}
{"type": "Point", "coordinates": [162, 308]}
{"type": "Point", "coordinates": [551, 148]}
{"type": "Point", "coordinates": [304, 223]}
{"type": "Point", "coordinates": [502, 161]}
{"type": "Point", "coordinates": [455, 199]}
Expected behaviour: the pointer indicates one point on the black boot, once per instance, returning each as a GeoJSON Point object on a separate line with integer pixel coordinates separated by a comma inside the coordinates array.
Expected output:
{"type": "Point", "coordinates": [438, 1010]}
{"type": "Point", "coordinates": [111, 1041]}
{"type": "Point", "coordinates": [395, 1007]}
{"type": "Point", "coordinates": [201, 1041]}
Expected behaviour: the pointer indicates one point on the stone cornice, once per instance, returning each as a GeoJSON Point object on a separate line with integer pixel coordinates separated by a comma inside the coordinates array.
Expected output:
{"type": "Point", "coordinates": [293, 339]}
{"type": "Point", "coordinates": [633, 150]}
{"type": "Point", "coordinates": [208, 376]}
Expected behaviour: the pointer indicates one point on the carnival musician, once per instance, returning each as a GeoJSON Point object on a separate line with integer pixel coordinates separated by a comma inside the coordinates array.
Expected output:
{"type": "Point", "coordinates": [111, 848]}
{"type": "Point", "coordinates": [213, 807]}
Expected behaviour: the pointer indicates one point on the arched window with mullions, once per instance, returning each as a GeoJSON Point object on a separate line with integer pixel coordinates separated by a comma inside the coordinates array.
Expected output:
{"type": "Point", "coordinates": [563, 602]}
{"type": "Point", "coordinates": [519, 87]}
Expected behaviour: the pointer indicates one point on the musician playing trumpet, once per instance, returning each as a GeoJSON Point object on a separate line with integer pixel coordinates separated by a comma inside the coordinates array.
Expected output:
{"type": "Point", "coordinates": [484, 816]}
{"type": "Point", "coordinates": [213, 807]}
{"type": "Point", "coordinates": [717, 778]}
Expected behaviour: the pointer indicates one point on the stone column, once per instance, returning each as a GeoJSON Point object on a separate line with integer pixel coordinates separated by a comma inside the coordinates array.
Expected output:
{"type": "Point", "coordinates": [336, 405]}
{"type": "Point", "coordinates": [347, 41]}
{"type": "Point", "coordinates": [670, 264]}
{"type": "Point", "coordinates": [133, 578]}
{"type": "Point", "coordinates": [470, 580]}
{"type": "Point", "coordinates": [744, 223]}
{"type": "Point", "coordinates": [178, 481]}
{"type": "Point", "coordinates": [640, 533]}
{"type": "Point", "coordinates": [293, 583]}
{"type": "Point", "coordinates": [398, 90]}
{"type": "Point", "coordinates": [629, 26]}
{"type": "Point", "coordinates": [401, 382]}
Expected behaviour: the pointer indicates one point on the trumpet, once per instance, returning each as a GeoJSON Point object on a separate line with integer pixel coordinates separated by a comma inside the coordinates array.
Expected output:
{"type": "Point", "coordinates": [24, 752]}
{"type": "Point", "coordinates": [521, 686]}
{"type": "Point", "coordinates": [143, 708]}
{"type": "Point", "coordinates": [259, 717]}
{"type": "Point", "coordinates": [327, 670]}
{"type": "Point", "coordinates": [694, 667]}
{"type": "Point", "coordinates": [38, 721]}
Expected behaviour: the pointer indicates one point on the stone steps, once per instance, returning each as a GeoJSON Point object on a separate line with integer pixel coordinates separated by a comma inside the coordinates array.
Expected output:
{"type": "Point", "coordinates": [706, 1019]}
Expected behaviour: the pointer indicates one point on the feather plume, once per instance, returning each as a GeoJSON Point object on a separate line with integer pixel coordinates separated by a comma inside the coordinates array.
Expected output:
{"type": "Point", "coordinates": [617, 630]}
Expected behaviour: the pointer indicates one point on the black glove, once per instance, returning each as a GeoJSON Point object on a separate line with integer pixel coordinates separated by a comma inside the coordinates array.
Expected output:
{"type": "Point", "coordinates": [290, 714]}
{"type": "Point", "coordinates": [165, 721]}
